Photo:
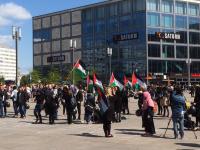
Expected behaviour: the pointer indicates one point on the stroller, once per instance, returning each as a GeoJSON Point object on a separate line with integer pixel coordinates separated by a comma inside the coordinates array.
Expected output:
{"type": "Point", "coordinates": [188, 123]}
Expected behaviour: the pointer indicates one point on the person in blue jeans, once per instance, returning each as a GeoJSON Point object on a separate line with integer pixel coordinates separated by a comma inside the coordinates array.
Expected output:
{"type": "Point", "coordinates": [178, 107]}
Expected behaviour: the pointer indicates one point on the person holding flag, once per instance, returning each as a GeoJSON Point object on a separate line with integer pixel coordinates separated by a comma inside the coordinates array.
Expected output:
{"type": "Point", "coordinates": [105, 108]}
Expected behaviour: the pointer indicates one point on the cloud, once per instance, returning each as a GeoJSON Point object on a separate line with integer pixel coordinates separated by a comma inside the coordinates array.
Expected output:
{"type": "Point", "coordinates": [11, 12]}
{"type": "Point", "coordinates": [6, 40]}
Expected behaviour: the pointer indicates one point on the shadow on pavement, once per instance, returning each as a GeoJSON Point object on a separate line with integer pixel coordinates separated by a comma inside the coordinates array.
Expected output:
{"type": "Point", "coordinates": [139, 132]}
{"type": "Point", "coordinates": [87, 135]}
{"type": "Point", "coordinates": [193, 145]}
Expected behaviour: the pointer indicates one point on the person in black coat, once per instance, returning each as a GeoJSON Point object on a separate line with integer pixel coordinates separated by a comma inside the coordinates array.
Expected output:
{"type": "Point", "coordinates": [125, 101]}
{"type": "Point", "coordinates": [89, 107]}
{"type": "Point", "coordinates": [106, 112]}
{"type": "Point", "coordinates": [67, 97]}
{"type": "Point", "coordinates": [22, 98]}
{"type": "Point", "coordinates": [50, 104]}
{"type": "Point", "coordinates": [118, 104]}
{"type": "Point", "coordinates": [39, 98]}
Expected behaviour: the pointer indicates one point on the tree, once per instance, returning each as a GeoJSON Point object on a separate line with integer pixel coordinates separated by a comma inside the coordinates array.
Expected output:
{"type": "Point", "coordinates": [53, 76]}
{"type": "Point", "coordinates": [25, 80]}
{"type": "Point", "coordinates": [35, 76]}
{"type": "Point", "coordinates": [2, 80]}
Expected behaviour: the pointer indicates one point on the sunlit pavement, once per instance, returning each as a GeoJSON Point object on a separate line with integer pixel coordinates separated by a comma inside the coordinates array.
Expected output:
{"type": "Point", "coordinates": [22, 134]}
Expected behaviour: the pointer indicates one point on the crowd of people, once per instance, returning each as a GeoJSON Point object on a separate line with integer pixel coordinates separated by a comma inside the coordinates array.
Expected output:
{"type": "Point", "coordinates": [103, 107]}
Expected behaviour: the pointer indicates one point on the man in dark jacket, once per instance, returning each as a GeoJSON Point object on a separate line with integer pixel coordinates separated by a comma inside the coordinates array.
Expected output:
{"type": "Point", "coordinates": [22, 98]}
{"type": "Point", "coordinates": [79, 99]}
{"type": "Point", "coordinates": [67, 96]}
{"type": "Point", "coordinates": [39, 98]}
{"type": "Point", "coordinates": [178, 107]}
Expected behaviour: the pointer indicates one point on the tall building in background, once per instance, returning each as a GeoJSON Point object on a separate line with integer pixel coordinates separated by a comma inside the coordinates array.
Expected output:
{"type": "Point", "coordinates": [154, 37]}
{"type": "Point", "coordinates": [7, 63]}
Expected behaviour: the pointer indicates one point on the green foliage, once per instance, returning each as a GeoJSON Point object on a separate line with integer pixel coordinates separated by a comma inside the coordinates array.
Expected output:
{"type": "Point", "coordinates": [25, 80]}
{"type": "Point", "coordinates": [53, 76]}
{"type": "Point", "coordinates": [2, 80]}
{"type": "Point", "coordinates": [35, 76]}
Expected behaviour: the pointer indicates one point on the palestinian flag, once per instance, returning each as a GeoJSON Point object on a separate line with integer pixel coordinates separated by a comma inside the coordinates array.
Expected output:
{"type": "Point", "coordinates": [98, 83]}
{"type": "Point", "coordinates": [80, 70]}
{"type": "Point", "coordinates": [127, 83]}
{"type": "Point", "coordinates": [137, 81]}
{"type": "Point", "coordinates": [89, 84]}
{"type": "Point", "coordinates": [115, 83]}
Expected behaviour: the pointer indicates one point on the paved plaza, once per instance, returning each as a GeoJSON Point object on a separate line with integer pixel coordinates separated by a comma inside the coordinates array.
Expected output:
{"type": "Point", "coordinates": [21, 134]}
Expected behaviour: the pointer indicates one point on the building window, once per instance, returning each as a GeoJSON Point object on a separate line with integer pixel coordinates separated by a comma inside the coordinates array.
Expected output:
{"type": "Point", "coordinates": [193, 9]}
{"type": "Point", "coordinates": [153, 19]}
{"type": "Point", "coordinates": [100, 27]}
{"type": "Point", "coordinates": [100, 41]}
{"type": "Point", "coordinates": [113, 9]}
{"type": "Point", "coordinates": [183, 35]}
{"type": "Point", "coordinates": [181, 22]}
{"type": "Point", "coordinates": [181, 52]}
{"type": "Point", "coordinates": [87, 15]}
{"type": "Point", "coordinates": [168, 51]}
{"type": "Point", "coordinates": [194, 23]}
{"type": "Point", "coordinates": [125, 23]}
{"type": "Point", "coordinates": [112, 25]}
{"type": "Point", "coordinates": [87, 28]}
{"type": "Point", "coordinates": [125, 7]}
{"type": "Point", "coordinates": [139, 5]}
{"type": "Point", "coordinates": [167, 6]}
{"type": "Point", "coordinates": [195, 52]}
{"type": "Point", "coordinates": [167, 21]}
{"type": "Point", "coordinates": [152, 35]}
{"type": "Point", "coordinates": [153, 50]}
{"type": "Point", "coordinates": [36, 36]}
{"type": "Point", "coordinates": [139, 24]}
{"type": "Point", "coordinates": [100, 13]}
{"type": "Point", "coordinates": [194, 38]}
{"type": "Point", "coordinates": [181, 8]}
{"type": "Point", "coordinates": [153, 5]}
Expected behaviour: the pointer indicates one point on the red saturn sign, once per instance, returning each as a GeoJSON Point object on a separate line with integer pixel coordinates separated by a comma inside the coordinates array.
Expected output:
{"type": "Point", "coordinates": [195, 74]}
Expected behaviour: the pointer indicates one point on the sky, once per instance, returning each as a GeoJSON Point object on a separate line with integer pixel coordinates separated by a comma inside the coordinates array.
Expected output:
{"type": "Point", "coordinates": [20, 13]}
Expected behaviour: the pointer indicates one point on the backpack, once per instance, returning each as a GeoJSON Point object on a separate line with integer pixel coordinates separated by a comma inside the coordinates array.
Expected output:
{"type": "Point", "coordinates": [73, 102]}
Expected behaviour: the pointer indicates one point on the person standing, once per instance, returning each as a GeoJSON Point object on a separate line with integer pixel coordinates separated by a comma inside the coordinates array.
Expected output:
{"type": "Point", "coordinates": [89, 107]}
{"type": "Point", "coordinates": [1, 101]}
{"type": "Point", "coordinates": [148, 113]}
{"type": "Point", "coordinates": [14, 99]}
{"type": "Point", "coordinates": [22, 98]}
{"type": "Point", "coordinates": [178, 107]}
{"type": "Point", "coordinates": [197, 105]}
{"type": "Point", "coordinates": [67, 97]}
{"type": "Point", "coordinates": [106, 112]}
{"type": "Point", "coordinates": [79, 99]}
{"type": "Point", "coordinates": [39, 98]}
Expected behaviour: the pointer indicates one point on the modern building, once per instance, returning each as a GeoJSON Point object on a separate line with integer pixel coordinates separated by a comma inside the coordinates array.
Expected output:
{"type": "Point", "coordinates": [155, 37]}
{"type": "Point", "coordinates": [7, 63]}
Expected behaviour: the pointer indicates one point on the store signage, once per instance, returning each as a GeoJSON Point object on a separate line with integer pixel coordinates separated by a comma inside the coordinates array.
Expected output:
{"type": "Point", "coordinates": [195, 74]}
{"type": "Point", "coordinates": [125, 37]}
{"type": "Point", "coordinates": [166, 36]}
{"type": "Point", "coordinates": [56, 58]}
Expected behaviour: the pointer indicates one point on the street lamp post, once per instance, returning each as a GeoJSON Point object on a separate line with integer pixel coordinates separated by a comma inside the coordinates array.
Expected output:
{"type": "Point", "coordinates": [188, 62]}
{"type": "Point", "coordinates": [16, 35]}
{"type": "Point", "coordinates": [109, 52]}
{"type": "Point", "coordinates": [73, 47]}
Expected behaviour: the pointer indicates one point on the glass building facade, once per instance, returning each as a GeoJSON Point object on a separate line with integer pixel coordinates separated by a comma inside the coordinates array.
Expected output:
{"type": "Point", "coordinates": [167, 33]}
